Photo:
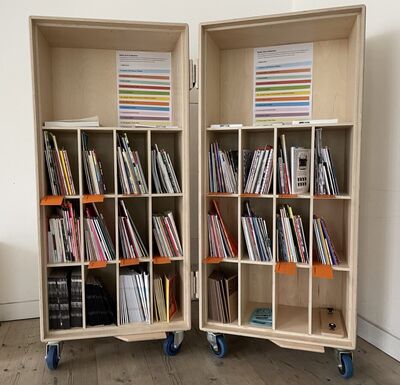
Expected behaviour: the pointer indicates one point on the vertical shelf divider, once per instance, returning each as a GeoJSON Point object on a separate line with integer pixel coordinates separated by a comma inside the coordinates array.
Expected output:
{"type": "Point", "coordinates": [150, 220]}
{"type": "Point", "coordinates": [311, 236]}
{"type": "Point", "coordinates": [117, 266]}
{"type": "Point", "coordinates": [239, 225]}
{"type": "Point", "coordinates": [274, 249]}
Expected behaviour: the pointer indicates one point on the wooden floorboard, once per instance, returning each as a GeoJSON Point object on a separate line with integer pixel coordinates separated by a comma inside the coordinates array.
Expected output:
{"type": "Point", "coordinates": [249, 362]}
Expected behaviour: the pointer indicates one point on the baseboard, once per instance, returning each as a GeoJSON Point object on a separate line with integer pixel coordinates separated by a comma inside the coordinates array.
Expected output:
{"type": "Point", "coordinates": [19, 310]}
{"type": "Point", "coordinates": [383, 340]}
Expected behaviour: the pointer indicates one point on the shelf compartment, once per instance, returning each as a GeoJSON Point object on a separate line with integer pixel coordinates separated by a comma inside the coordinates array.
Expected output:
{"type": "Point", "coordinates": [172, 143]}
{"type": "Point", "coordinates": [255, 291]}
{"type": "Point", "coordinates": [108, 278]}
{"type": "Point", "coordinates": [137, 142]}
{"type": "Point", "coordinates": [339, 140]}
{"type": "Point", "coordinates": [139, 212]}
{"type": "Point", "coordinates": [299, 207]}
{"type": "Point", "coordinates": [331, 293]}
{"type": "Point", "coordinates": [228, 269]}
{"type": "Point", "coordinates": [102, 142]}
{"type": "Point", "coordinates": [162, 206]}
{"type": "Point", "coordinates": [254, 140]}
{"type": "Point", "coordinates": [175, 268]}
{"type": "Point", "coordinates": [107, 209]}
{"type": "Point", "coordinates": [261, 208]}
{"type": "Point", "coordinates": [229, 211]}
{"type": "Point", "coordinates": [336, 214]}
{"type": "Point", "coordinates": [67, 140]}
{"type": "Point", "coordinates": [292, 301]}
{"type": "Point", "coordinates": [227, 140]}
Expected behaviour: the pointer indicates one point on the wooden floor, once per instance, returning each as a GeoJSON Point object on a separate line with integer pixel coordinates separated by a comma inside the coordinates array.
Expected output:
{"type": "Point", "coordinates": [110, 361]}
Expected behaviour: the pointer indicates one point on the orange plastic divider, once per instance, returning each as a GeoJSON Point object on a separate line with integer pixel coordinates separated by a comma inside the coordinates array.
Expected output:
{"type": "Point", "coordinates": [212, 260]}
{"type": "Point", "coordinates": [93, 198]}
{"type": "Point", "coordinates": [52, 200]}
{"type": "Point", "coordinates": [161, 260]}
{"type": "Point", "coordinates": [129, 261]}
{"type": "Point", "coordinates": [288, 268]}
{"type": "Point", "coordinates": [324, 196]}
{"type": "Point", "coordinates": [97, 264]}
{"type": "Point", "coordinates": [322, 271]}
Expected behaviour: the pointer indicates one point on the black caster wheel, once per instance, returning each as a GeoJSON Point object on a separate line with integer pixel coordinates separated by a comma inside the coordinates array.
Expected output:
{"type": "Point", "coordinates": [169, 346]}
{"type": "Point", "coordinates": [346, 366]}
{"type": "Point", "coordinates": [220, 348]}
{"type": "Point", "coordinates": [52, 357]}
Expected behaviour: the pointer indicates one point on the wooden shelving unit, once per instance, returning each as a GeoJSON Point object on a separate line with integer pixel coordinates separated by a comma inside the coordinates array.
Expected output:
{"type": "Point", "coordinates": [74, 72]}
{"type": "Point", "coordinates": [226, 96]}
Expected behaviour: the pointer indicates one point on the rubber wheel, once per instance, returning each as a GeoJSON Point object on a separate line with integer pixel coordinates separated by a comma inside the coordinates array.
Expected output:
{"type": "Point", "coordinates": [169, 348]}
{"type": "Point", "coordinates": [347, 366]}
{"type": "Point", "coordinates": [222, 348]}
{"type": "Point", "coordinates": [52, 358]}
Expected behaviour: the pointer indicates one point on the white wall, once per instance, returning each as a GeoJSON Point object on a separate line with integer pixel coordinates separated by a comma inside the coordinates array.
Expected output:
{"type": "Point", "coordinates": [379, 257]}
{"type": "Point", "coordinates": [18, 222]}
{"type": "Point", "coordinates": [379, 261]}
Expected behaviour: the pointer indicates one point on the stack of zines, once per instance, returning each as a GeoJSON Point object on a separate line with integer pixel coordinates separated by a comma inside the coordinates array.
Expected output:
{"type": "Point", "coordinates": [221, 242]}
{"type": "Point", "coordinates": [76, 297]}
{"type": "Point", "coordinates": [292, 245]}
{"type": "Point", "coordinates": [165, 305]}
{"type": "Point", "coordinates": [293, 173]}
{"type": "Point", "coordinates": [98, 243]}
{"type": "Point", "coordinates": [257, 168]}
{"type": "Point", "coordinates": [63, 237]}
{"type": "Point", "coordinates": [166, 235]}
{"type": "Point", "coordinates": [222, 297]}
{"type": "Point", "coordinates": [223, 170]}
{"type": "Point", "coordinates": [58, 167]}
{"type": "Point", "coordinates": [92, 166]}
{"type": "Point", "coordinates": [131, 177]}
{"type": "Point", "coordinates": [326, 251]}
{"type": "Point", "coordinates": [100, 308]}
{"type": "Point", "coordinates": [256, 236]}
{"type": "Point", "coordinates": [134, 297]}
{"type": "Point", "coordinates": [162, 170]}
{"type": "Point", "coordinates": [325, 176]}
{"type": "Point", "coordinates": [58, 283]}
{"type": "Point", "coordinates": [132, 245]}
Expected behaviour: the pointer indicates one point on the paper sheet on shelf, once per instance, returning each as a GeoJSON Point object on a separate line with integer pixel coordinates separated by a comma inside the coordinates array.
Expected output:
{"type": "Point", "coordinates": [282, 83]}
{"type": "Point", "coordinates": [144, 88]}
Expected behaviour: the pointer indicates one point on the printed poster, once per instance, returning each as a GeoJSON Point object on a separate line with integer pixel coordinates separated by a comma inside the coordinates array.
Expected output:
{"type": "Point", "coordinates": [144, 88]}
{"type": "Point", "coordinates": [282, 83]}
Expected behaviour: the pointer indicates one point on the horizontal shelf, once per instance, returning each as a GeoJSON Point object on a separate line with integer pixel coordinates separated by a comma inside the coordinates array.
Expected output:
{"type": "Point", "coordinates": [267, 196]}
{"type": "Point", "coordinates": [104, 129]}
{"type": "Point", "coordinates": [163, 195]}
{"type": "Point", "coordinates": [331, 197]}
{"type": "Point", "coordinates": [292, 319]}
{"type": "Point", "coordinates": [222, 195]}
{"type": "Point", "coordinates": [338, 125]}
{"type": "Point", "coordinates": [64, 264]}
{"type": "Point", "coordinates": [248, 261]}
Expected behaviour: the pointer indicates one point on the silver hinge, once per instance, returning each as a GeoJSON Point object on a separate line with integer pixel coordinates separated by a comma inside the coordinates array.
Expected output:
{"type": "Point", "coordinates": [194, 284]}
{"type": "Point", "coordinates": [193, 74]}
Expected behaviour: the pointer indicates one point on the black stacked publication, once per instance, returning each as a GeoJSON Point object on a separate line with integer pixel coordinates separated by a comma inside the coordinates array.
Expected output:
{"type": "Point", "coordinates": [58, 299]}
{"type": "Point", "coordinates": [100, 308]}
{"type": "Point", "coordinates": [65, 298]}
{"type": "Point", "coordinates": [76, 298]}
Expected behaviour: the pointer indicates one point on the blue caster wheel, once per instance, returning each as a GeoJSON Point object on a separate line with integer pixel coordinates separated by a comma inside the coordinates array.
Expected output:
{"type": "Point", "coordinates": [169, 347]}
{"type": "Point", "coordinates": [346, 367]}
{"type": "Point", "coordinates": [52, 357]}
{"type": "Point", "coordinates": [220, 348]}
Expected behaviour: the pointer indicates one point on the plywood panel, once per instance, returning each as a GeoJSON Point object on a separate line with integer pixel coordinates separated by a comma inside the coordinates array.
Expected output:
{"type": "Point", "coordinates": [84, 84]}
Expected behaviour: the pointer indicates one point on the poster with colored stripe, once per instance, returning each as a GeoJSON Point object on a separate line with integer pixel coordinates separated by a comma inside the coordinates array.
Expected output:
{"type": "Point", "coordinates": [144, 88]}
{"type": "Point", "coordinates": [282, 83]}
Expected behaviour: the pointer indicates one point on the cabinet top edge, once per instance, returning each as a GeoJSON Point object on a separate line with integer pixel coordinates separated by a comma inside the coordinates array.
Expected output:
{"type": "Point", "coordinates": [55, 21]}
{"type": "Point", "coordinates": [352, 10]}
